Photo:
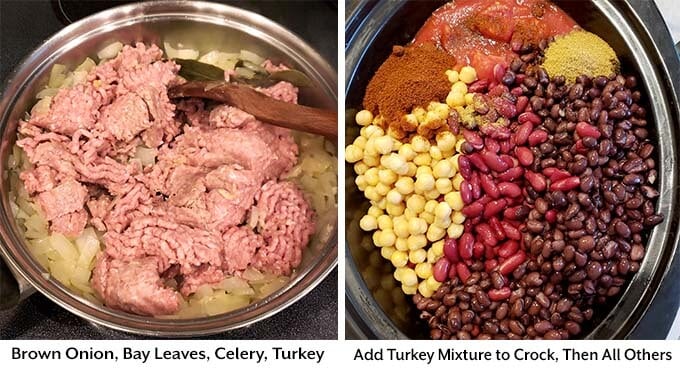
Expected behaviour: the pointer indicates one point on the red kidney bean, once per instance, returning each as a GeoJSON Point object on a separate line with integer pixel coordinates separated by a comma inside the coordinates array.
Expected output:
{"type": "Point", "coordinates": [508, 248]}
{"type": "Point", "coordinates": [478, 250]}
{"type": "Point", "coordinates": [511, 174]}
{"type": "Point", "coordinates": [452, 272]}
{"type": "Point", "coordinates": [466, 243]}
{"type": "Point", "coordinates": [507, 145]}
{"type": "Point", "coordinates": [476, 160]}
{"type": "Point", "coordinates": [496, 228]}
{"type": "Point", "coordinates": [492, 145]}
{"type": "Point", "coordinates": [512, 263]}
{"type": "Point", "coordinates": [485, 235]}
{"type": "Point", "coordinates": [516, 91]}
{"type": "Point", "coordinates": [510, 231]}
{"type": "Point", "coordinates": [489, 186]}
{"type": "Point", "coordinates": [565, 184]}
{"type": "Point", "coordinates": [517, 213]}
{"type": "Point", "coordinates": [536, 181]}
{"type": "Point", "coordinates": [580, 148]}
{"type": "Point", "coordinates": [558, 175]}
{"type": "Point", "coordinates": [440, 270]}
{"type": "Point", "coordinates": [466, 192]}
{"type": "Point", "coordinates": [473, 138]}
{"type": "Point", "coordinates": [494, 162]}
{"type": "Point", "coordinates": [494, 207]}
{"type": "Point", "coordinates": [509, 189]}
{"type": "Point", "coordinates": [489, 265]}
{"type": "Point", "coordinates": [521, 104]}
{"type": "Point", "coordinates": [523, 131]}
{"type": "Point", "coordinates": [498, 295]}
{"type": "Point", "coordinates": [464, 167]}
{"type": "Point", "coordinates": [537, 137]}
{"type": "Point", "coordinates": [584, 129]}
{"type": "Point", "coordinates": [478, 86]}
{"type": "Point", "coordinates": [476, 188]}
{"type": "Point", "coordinates": [533, 118]}
{"type": "Point", "coordinates": [498, 72]}
{"type": "Point", "coordinates": [524, 156]}
{"type": "Point", "coordinates": [509, 160]}
{"type": "Point", "coordinates": [451, 250]}
{"type": "Point", "coordinates": [462, 271]}
{"type": "Point", "coordinates": [489, 252]}
{"type": "Point", "coordinates": [551, 216]}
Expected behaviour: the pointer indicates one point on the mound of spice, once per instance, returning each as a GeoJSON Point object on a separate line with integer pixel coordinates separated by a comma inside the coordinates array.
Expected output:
{"type": "Point", "coordinates": [580, 53]}
{"type": "Point", "coordinates": [410, 77]}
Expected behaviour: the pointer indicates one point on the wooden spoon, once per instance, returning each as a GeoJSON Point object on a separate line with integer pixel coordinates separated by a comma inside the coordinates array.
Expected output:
{"type": "Point", "coordinates": [263, 107]}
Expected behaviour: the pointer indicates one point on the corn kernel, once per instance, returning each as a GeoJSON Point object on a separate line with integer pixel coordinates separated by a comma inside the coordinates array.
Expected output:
{"type": "Point", "coordinates": [424, 182]}
{"type": "Point", "coordinates": [416, 242]}
{"type": "Point", "coordinates": [360, 142]}
{"type": "Point", "coordinates": [456, 181]}
{"type": "Point", "coordinates": [443, 223]}
{"type": "Point", "coordinates": [371, 193]}
{"type": "Point", "coordinates": [385, 222]}
{"type": "Point", "coordinates": [364, 117]}
{"type": "Point", "coordinates": [424, 289]}
{"type": "Point", "coordinates": [469, 98]}
{"type": "Point", "coordinates": [454, 162]}
{"type": "Point", "coordinates": [442, 169]}
{"type": "Point", "coordinates": [375, 212]}
{"type": "Point", "coordinates": [442, 210]}
{"type": "Point", "coordinates": [467, 74]}
{"type": "Point", "coordinates": [395, 209]}
{"type": "Point", "coordinates": [409, 214]}
{"type": "Point", "coordinates": [455, 230]}
{"type": "Point", "coordinates": [417, 226]}
{"type": "Point", "coordinates": [431, 205]}
{"type": "Point", "coordinates": [431, 257]}
{"type": "Point", "coordinates": [409, 290]}
{"type": "Point", "coordinates": [418, 256]}
{"type": "Point", "coordinates": [423, 270]}
{"type": "Point", "coordinates": [431, 117]}
{"type": "Point", "coordinates": [374, 131]}
{"type": "Point", "coordinates": [361, 183]}
{"type": "Point", "coordinates": [401, 244]}
{"type": "Point", "coordinates": [376, 238]}
{"type": "Point", "coordinates": [423, 159]}
{"type": "Point", "coordinates": [386, 252]}
{"type": "Point", "coordinates": [446, 141]}
{"type": "Point", "coordinates": [441, 110]}
{"type": "Point", "coordinates": [420, 144]}
{"type": "Point", "coordinates": [432, 283]}
{"type": "Point", "coordinates": [382, 204]}
{"type": "Point", "coordinates": [411, 119]}
{"type": "Point", "coordinates": [443, 185]}
{"type": "Point", "coordinates": [411, 169]}
{"type": "Point", "coordinates": [387, 238]}
{"type": "Point", "coordinates": [394, 197]}
{"type": "Point", "coordinates": [371, 176]}
{"type": "Point", "coordinates": [424, 169]}
{"type": "Point", "coordinates": [457, 217]}
{"type": "Point", "coordinates": [455, 200]}
{"type": "Point", "coordinates": [432, 194]}
{"type": "Point", "coordinates": [420, 113]}
{"type": "Point", "coordinates": [428, 217]}
{"type": "Point", "coordinates": [460, 88]}
{"type": "Point", "coordinates": [399, 259]}
{"type": "Point", "coordinates": [409, 277]}
{"type": "Point", "coordinates": [360, 167]}
{"type": "Point", "coordinates": [383, 144]}
{"type": "Point", "coordinates": [400, 227]}
{"type": "Point", "coordinates": [437, 248]}
{"type": "Point", "coordinates": [452, 75]}
{"type": "Point", "coordinates": [371, 160]}
{"type": "Point", "coordinates": [416, 203]}
{"type": "Point", "coordinates": [406, 151]}
{"type": "Point", "coordinates": [455, 99]}
{"type": "Point", "coordinates": [387, 176]}
{"type": "Point", "coordinates": [398, 272]}
{"type": "Point", "coordinates": [353, 153]}
{"type": "Point", "coordinates": [396, 144]}
{"type": "Point", "coordinates": [435, 153]}
{"type": "Point", "coordinates": [404, 185]}
{"type": "Point", "coordinates": [435, 233]}
{"type": "Point", "coordinates": [368, 223]}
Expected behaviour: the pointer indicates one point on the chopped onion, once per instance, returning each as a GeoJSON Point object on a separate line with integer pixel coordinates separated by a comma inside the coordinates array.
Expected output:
{"type": "Point", "coordinates": [110, 51]}
{"type": "Point", "coordinates": [252, 57]}
{"type": "Point", "coordinates": [186, 53]}
{"type": "Point", "coordinates": [147, 156]}
{"type": "Point", "coordinates": [57, 75]}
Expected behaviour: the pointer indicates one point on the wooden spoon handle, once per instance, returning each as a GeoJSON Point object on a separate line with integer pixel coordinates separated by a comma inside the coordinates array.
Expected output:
{"type": "Point", "coordinates": [263, 107]}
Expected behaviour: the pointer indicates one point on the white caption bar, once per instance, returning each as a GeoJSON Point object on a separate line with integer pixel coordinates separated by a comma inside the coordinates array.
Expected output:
{"type": "Point", "coordinates": [348, 356]}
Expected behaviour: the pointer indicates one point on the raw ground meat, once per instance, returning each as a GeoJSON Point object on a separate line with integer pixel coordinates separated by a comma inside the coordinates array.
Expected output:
{"type": "Point", "coordinates": [210, 206]}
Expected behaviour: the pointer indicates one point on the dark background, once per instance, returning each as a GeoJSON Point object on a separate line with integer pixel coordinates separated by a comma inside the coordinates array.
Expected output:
{"type": "Point", "coordinates": [24, 24]}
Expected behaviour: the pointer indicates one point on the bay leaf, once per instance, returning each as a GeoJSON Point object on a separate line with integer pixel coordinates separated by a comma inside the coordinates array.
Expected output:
{"type": "Point", "coordinates": [193, 70]}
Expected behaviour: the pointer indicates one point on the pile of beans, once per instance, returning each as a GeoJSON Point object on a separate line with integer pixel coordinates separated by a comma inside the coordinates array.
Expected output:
{"type": "Point", "coordinates": [557, 208]}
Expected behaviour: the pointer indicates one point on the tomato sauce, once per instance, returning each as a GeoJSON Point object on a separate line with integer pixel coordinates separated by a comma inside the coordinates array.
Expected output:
{"type": "Point", "coordinates": [483, 33]}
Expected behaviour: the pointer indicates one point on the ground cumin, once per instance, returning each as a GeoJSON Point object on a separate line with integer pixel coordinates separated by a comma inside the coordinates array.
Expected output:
{"type": "Point", "coordinates": [411, 76]}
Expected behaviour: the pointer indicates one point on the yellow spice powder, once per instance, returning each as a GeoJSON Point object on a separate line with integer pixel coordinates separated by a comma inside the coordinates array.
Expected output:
{"type": "Point", "coordinates": [580, 52]}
